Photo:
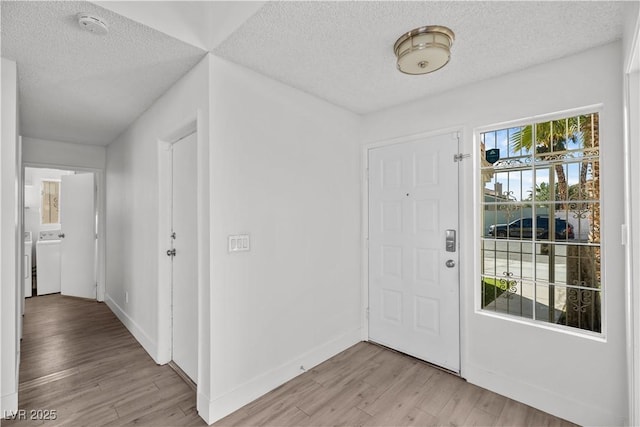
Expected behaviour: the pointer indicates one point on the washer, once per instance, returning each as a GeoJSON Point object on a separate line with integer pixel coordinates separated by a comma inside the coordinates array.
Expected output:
{"type": "Point", "coordinates": [48, 262]}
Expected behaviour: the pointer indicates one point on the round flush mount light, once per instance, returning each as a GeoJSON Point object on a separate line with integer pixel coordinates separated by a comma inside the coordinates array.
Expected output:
{"type": "Point", "coordinates": [424, 50]}
{"type": "Point", "coordinates": [92, 23]}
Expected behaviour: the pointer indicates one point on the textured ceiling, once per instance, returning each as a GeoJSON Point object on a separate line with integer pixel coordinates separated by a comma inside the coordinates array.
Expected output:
{"type": "Point", "coordinates": [82, 87]}
{"type": "Point", "coordinates": [200, 23]}
{"type": "Point", "coordinates": [343, 51]}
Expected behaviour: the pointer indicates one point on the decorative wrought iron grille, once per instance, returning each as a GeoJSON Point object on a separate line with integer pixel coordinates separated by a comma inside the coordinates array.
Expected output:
{"type": "Point", "coordinates": [540, 204]}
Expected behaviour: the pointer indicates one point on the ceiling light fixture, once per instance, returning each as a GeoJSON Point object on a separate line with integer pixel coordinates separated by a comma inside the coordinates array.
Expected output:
{"type": "Point", "coordinates": [92, 23]}
{"type": "Point", "coordinates": [424, 50]}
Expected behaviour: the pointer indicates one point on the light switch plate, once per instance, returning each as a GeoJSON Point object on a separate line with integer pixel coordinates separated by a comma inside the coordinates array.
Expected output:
{"type": "Point", "coordinates": [239, 243]}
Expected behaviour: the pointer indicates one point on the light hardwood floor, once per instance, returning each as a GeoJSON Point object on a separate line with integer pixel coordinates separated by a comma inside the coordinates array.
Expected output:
{"type": "Point", "coordinates": [79, 360]}
{"type": "Point", "coordinates": [368, 385]}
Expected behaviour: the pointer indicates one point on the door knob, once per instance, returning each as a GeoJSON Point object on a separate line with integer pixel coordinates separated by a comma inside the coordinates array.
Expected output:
{"type": "Point", "coordinates": [450, 263]}
{"type": "Point", "coordinates": [61, 235]}
{"type": "Point", "coordinates": [171, 252]}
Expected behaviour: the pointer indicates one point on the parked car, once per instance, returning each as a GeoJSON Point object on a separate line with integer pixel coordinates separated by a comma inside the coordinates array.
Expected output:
{"type": "Point", "coordinates": [522, 228]}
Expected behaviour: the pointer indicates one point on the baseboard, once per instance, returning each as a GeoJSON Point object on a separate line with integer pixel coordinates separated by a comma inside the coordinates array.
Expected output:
{"type": "Point", "coordinates": [145, 341]}
{"type": "Point", "coordinates": [559, 405]}
{"type": "Point", "coordinates": [223, 405]}
{"type": "Point", "coordinates": [9, 405]}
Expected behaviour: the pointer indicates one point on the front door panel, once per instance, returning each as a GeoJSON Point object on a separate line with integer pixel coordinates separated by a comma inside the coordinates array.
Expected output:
{"type": "Point", "coordinates": [413, 279]}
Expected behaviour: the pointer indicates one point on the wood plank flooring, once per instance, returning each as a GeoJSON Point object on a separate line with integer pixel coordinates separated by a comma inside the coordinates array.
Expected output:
{"type": "Point", "coordinates": [79, 360]}
{"type": "Point", "coordinates": [368, 385]}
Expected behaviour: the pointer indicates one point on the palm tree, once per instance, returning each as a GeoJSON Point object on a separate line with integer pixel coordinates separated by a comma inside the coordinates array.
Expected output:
{"type": "Point", "coordinates": [552, 141]}
{"type": "Point", "coordinates": [542, 193]}
{"type": "Point", "coordinates": [553, 138]}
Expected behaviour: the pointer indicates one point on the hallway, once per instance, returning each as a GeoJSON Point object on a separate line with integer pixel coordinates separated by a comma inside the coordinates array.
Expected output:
{"type": "Point", "coordinates": [81, 362]}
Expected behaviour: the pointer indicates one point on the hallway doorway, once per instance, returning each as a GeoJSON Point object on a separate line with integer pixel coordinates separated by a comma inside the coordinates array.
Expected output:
{"type": "Point", "coordinates": [60, 232]}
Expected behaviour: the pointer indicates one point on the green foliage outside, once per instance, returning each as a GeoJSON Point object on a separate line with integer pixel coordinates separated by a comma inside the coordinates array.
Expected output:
{"type": "Point", "coordinates": [491, 289]}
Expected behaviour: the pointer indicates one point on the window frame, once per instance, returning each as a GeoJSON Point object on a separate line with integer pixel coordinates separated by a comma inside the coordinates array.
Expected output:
{"type": "Point", "coordinates": [42, 183]}
{"type": "Point", "coordinates": [478, 225]}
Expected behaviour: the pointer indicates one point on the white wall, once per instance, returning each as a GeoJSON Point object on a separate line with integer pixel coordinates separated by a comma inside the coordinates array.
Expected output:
{"type": "Point", "coordinates": [135, 254]}
{"type": "Point", "coordinates": [285, 170]}
{"type": "Point", "coordinates": [62, 154]}
{"type": "Point", "coordinates": [574, 377]}
{"type": "Point", "coordinates": [10, 243]}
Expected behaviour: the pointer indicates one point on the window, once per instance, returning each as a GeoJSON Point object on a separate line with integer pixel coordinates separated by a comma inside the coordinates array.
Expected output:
{"type": "Point", "coordinates": [50, 206]}
{"type": "Point", "coordinates": [531, 266]}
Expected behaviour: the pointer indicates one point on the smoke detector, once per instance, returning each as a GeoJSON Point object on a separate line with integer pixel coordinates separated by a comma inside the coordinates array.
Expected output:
{"type": "Point", "coordinates": [92, 23]}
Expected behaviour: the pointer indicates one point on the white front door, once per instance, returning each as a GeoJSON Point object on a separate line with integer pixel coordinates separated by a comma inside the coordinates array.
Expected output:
{"type": "Point", "coordinates": [78, 226]}
{"type": "Point", "coordinates": [185, 261]}
{"type": "Point", "coordinates": [413, 279]}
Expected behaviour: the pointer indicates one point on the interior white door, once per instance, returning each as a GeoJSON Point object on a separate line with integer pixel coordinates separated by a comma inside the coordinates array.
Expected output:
{"type": "Point", "coordinates": [185, 261]}
{"type": "Point", "coordinates": [413, 279]}
{"type": "Point", "coordinates": [78, 226]}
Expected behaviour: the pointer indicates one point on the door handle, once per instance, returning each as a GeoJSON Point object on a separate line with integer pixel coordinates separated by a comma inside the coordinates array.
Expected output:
{"type": "Point", "coordinates": [61, 235]}
{"type": "Point", "coordinates": [450, 263]}
{"type": "Point", "coordinates": [450, 240]}
{"type": "Point", "coordinates": [171, 252]}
